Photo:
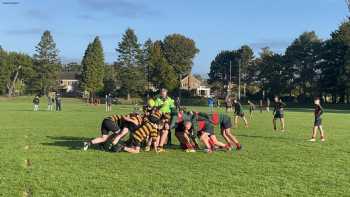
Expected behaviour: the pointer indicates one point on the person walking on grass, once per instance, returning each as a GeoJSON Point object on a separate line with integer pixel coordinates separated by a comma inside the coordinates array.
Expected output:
{"type": "Point", "coordinates": [251, 109]}
{"type": "Point", "coordinates": [318, 121]}
{"type": "Point", "coordinates": [36, 102]}
{"type": "Point", "coordinates": [239, 113]}
{"type": "Point", "coordinates": [278, 113]}
{"type": "Point", "coordinates": [267, 104]}
{"type": "Point", "coordinates": [58, 101]}
{"type": "Point", "coordinates": [261, 105]}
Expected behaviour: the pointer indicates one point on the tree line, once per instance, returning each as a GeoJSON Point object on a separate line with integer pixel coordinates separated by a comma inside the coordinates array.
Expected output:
{"type": "Point", "coordinates": [310, 67]}
{"type": "Point", "coordinates": [139, 66]}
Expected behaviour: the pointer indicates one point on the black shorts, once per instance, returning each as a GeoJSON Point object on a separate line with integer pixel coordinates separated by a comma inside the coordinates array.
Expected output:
{"type": "Point", "coordinates": [240, 114]}
{"type": "Point", "coordinates": [109, 126]}
{"type": "Point", "coordinates": [181, 128]}
{"type": "Point", "coordinates": [131, 126]}
{"type": "Point", "coordinates": [318, 122]}
{"type": "Point", "coordinates": [278, 116]}
{"type": "Point", "coordinates": [226, 124]}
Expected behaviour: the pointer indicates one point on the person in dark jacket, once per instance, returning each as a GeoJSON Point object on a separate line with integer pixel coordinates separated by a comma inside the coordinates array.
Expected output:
{"type": "Point", "coordinates": [58, 101]}
{"type": "Point", "coordinates": [278, 113]}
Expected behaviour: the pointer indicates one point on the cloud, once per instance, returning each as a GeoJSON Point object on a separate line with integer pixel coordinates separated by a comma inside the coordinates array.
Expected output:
{"type": "Point", "coordinates": [278, 45]}
{"type": "Point", "coordinates": [120, 8]}
{"type": "Point", "coordinates": [28, 31]}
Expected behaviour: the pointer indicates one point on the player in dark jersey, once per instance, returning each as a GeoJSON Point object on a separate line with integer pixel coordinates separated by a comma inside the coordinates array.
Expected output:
{"type": "Point", "coordinates": [239, 113]}
{"type": "Point", "coordinates": [110, 126]}
{"type": "Point", "coordinates": [318, 121]}
{"type": "Point", "coordinates": [205, 131]}
{"type": "Point", "coordinates": [251, 109]}
{"type": "Point", "coordinates": [182, 122]}
{"type": "Point", "coordinates": [278, 113]}
{"type": "Point", "coordinates": [225, 127]}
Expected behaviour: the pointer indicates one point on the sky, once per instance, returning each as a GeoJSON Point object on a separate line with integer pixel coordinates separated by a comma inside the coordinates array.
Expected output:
{"type": "Point", "coordinates": [213, 25]}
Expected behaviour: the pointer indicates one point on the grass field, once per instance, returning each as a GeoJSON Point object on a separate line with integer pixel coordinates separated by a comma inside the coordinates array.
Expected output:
{"type": "Point", "coordinates": [41, 156]}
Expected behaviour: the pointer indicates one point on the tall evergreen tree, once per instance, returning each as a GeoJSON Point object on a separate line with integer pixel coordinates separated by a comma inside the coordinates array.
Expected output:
{"type": "Point", "coordinates": [129, 52]}
{"type": "Point", "coordinates": [130, 58]}
{"type": "Point", "coordinates": [93, 67]}
{"type": "Point", "coordinates": [46, 62]}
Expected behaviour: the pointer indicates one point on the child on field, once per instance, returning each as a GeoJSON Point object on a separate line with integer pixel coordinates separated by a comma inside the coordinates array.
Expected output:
{"type": "Point", "coordinates": [318, 121]}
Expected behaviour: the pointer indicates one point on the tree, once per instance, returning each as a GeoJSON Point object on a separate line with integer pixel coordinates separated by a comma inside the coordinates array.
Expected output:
{"type": "Point", "coordinates": [46, 63]}
{"type": "Point", "coordinates": [111, 78]}
{"type": "Point", "coordinates": [129, 52]}
{"type": "Point", "coordinates": [179, 52]}
{"type": "Point", "coordinates": [93, 67]}
{"type": "Point", "coordinates": [130, 59]}
{"type": "Point", "coordinates": [15, 68]}
{"type": "Point", "coordinates": [163, 74]}
{"type": "Point", "coordinates": [270, 67]}
{"type": "Point", "coordinates": [302, 58]}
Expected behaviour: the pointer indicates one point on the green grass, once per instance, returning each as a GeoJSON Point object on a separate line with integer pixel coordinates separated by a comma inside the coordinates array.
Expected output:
{"type": "Point", "coordinates": [271, 163]}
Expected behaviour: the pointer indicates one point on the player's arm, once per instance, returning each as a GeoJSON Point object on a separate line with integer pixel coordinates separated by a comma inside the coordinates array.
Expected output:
{"type": "Point", "coordinates": [321, 110]}
{"type": "Point", "coordinates": [128, 119]}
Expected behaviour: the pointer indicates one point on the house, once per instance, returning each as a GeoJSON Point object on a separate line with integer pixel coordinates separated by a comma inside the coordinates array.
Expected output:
{"type": "Point", "coordinates": [68, 82]}
{"type": "Point", "coordinates": [198, 87]}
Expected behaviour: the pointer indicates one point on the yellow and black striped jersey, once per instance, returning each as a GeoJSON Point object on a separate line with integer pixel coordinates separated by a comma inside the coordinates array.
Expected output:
{"type": "Point", "coordinates": [117, 119]}
{"type": "Point", "coordinates": [147, 129]}
{"type": "Point", "coordinates": [138, 119]}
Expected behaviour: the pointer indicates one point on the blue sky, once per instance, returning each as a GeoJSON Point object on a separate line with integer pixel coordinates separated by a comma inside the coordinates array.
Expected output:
{"type": "Point", "coordinates": [214, 25]}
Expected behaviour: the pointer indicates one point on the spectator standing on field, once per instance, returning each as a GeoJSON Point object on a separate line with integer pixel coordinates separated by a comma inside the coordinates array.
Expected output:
{"type": "Point", "coordinates": [178, 103]}
{"type": "Point", "coordinates": [267, 104]}
{"type": "Point", "coordinates": [218, 103]}
{"type": "Point", "coordinates": [36, 102]}
{"type": "Point", "coordinates": [210, 104]}
{"type": "Point", "coordinates": [228, 103]}
{"type": "Point", "coordinates": [50, 102]}
{"type": "Point", "coordinates": [58, 101]}
{"type": "Point", "coordinates": [109, 101]}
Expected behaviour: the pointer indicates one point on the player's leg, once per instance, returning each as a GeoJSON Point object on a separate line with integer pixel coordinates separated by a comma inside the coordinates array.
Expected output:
{"type": "Point", "coordinates": [245, 121]}
{"type": "Point", "coordinates": [236, 121]}
{"type": "Point", "coordinates": [314, 133]}
{"type": "Point", "coordinates": [233, 139]}
{"type": "Point", "coordinates": [217, 142]}
{"type": "Point", "coordinates": [225, 136]}
{"type": "Point", "coordinates": [205, 140]}
{"type": "Point", "coordinates": [274, 123]}
{"type": "Point", "coordinates": [106, 126]}
{"type": "Point", "coordinates": [282, 124]}
{"type": "Point", "coordinates": [163, 137]}
{"type": "Point", "coordinates": [320, 128]}
{"type": "Point", "coordinates": [135, 147]}
{"type": "Point", "coordinates": [148, 144]}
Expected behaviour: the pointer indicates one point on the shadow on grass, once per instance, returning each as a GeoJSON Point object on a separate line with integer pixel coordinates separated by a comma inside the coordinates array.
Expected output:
{"type": "Point", "coordinates": [70, 142]}
{"type": "Point", "coordinates": [265, 137]}
{"type": "Point", "coordinates": [338, 111]}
